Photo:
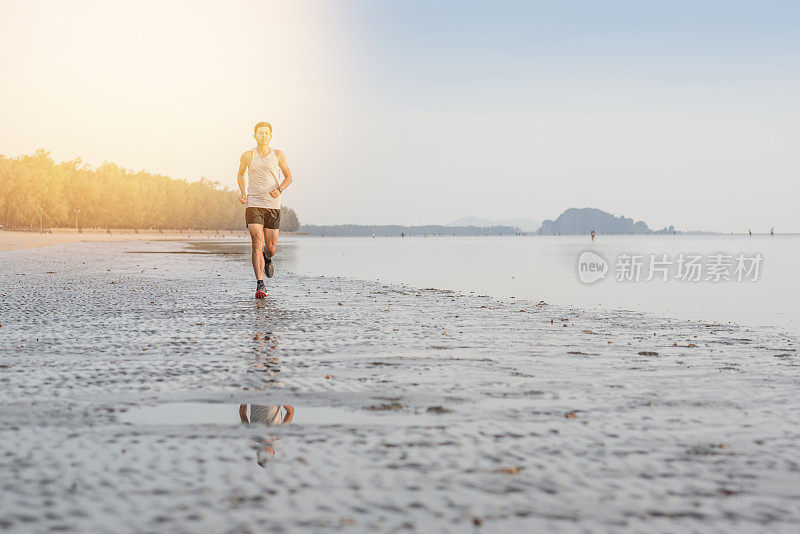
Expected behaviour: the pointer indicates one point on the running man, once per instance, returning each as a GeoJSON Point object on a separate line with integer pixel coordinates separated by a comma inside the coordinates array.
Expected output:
{"type": "Point", "coordinates": [262, 200]}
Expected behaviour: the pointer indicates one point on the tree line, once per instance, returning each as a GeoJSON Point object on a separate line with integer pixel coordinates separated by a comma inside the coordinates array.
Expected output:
{"type": "Point", "coordinates": [36, 192]}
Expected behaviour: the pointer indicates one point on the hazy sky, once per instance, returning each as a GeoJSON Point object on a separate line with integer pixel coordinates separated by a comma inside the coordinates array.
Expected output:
{"type": "Point", "coordinates": [681, 113]}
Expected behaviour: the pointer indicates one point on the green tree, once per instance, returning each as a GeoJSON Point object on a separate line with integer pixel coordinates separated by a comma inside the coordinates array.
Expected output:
{"type": "Point", "coordinates": [34, 189]}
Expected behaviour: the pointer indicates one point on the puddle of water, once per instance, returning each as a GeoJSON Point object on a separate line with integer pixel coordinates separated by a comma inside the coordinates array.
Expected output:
{"type": "Point", "coordinates": [203, 413]}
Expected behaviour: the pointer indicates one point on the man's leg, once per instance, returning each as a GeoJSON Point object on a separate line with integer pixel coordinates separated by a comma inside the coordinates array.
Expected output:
{"type": "Point", "coordinates": [257, 238]}
{"type": "Point", "coordinates": [272, 221]}
{"type": "Point", "coordinates": [270, 242]}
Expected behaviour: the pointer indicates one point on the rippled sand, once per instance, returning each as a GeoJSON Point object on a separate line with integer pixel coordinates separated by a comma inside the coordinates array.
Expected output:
{"type": "Point", "coordinates": [123, 374]}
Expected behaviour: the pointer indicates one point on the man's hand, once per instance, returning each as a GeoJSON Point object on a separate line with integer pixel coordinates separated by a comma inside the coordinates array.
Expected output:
{"type": "Point", "coordinates": [274, 193]}
{"type": "Point", "coordinates": [243, 198]}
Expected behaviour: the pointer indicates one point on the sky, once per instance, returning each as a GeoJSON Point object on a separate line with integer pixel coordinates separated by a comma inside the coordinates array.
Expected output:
{"type": "Point", "coordinates": [682, 113]}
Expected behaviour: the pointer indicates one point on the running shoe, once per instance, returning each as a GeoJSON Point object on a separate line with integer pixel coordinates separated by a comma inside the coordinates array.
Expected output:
{"type": "Point", "coordinates": [261, 290]}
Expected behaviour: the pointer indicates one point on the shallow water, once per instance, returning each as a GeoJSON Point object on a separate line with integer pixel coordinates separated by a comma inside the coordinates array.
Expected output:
{"type": "Point", "coordinates": [415, 409]}
{"type": "Point", "coordinates": [546, 268]}
{"type": "Point", "coordinates": [216, 413]}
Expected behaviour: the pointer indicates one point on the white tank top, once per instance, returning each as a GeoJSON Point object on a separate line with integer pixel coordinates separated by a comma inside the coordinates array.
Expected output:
{"type": "Point", "coordinates": [263, 175]}
{"type": "Point", "coordinates": [270, 415]}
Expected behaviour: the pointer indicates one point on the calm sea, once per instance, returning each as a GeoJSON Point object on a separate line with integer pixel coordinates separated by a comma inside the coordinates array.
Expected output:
{"type": "Point", "coordinates": [546, 268]}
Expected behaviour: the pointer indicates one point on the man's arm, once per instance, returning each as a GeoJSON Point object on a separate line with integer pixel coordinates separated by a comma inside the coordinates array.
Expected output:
{"type": "Point", "coordinates": [286, 173]}
{"type": "Point", "coordinates": [243, 413]}
{"type": "Point", "coordinates": [243, 163]}
{"type": "Point", "coordinates": [289, 413]}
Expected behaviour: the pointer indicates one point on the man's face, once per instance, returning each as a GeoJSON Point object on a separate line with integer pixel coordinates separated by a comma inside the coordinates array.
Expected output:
{"type": "Point", "coordinates": [263, 135]}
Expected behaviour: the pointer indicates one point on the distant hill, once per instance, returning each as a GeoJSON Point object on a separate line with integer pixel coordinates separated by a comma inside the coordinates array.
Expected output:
{"type": "Point", "coordinates": [351, 230]}
{"type": "Point", "coordinates": [524, 224]}
{"type": "Point", "coordinates": [584, 220]}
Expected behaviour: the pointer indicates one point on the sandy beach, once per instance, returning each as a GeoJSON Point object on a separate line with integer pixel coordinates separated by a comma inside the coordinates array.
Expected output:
{"type": "Point", "coordinates": [124, 367]}
{"type": "Point", "coordinates": [18, 240]}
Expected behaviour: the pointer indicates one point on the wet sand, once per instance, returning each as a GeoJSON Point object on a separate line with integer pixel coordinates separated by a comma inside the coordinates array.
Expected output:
{"type": "Point", "coordinates": [414, 409]}
{"type": "Point", "coordinates": [15, 240]}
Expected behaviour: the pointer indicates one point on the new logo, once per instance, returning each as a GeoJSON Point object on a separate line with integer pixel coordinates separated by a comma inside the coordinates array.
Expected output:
{"type": "Point", "coordinates": [591, 267]}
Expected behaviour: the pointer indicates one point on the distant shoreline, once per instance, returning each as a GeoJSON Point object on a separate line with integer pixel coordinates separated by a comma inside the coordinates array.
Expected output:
{"type": "Point", "coordinates": [388, 230]}
{"type": "Point", "coordinates": [24, 239]}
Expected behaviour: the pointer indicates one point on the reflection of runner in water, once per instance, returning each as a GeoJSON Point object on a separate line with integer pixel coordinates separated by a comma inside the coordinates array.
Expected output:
{"type": "Point", "coordinates": [270, 415]}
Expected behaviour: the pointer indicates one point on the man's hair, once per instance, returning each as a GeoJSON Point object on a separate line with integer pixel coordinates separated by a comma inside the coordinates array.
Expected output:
{"type": "Point", "coordinates": [260, 124]}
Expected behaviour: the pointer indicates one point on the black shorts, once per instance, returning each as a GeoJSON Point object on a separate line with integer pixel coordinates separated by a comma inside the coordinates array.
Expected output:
{"type": "Point", "coordinates": [267, 217]}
